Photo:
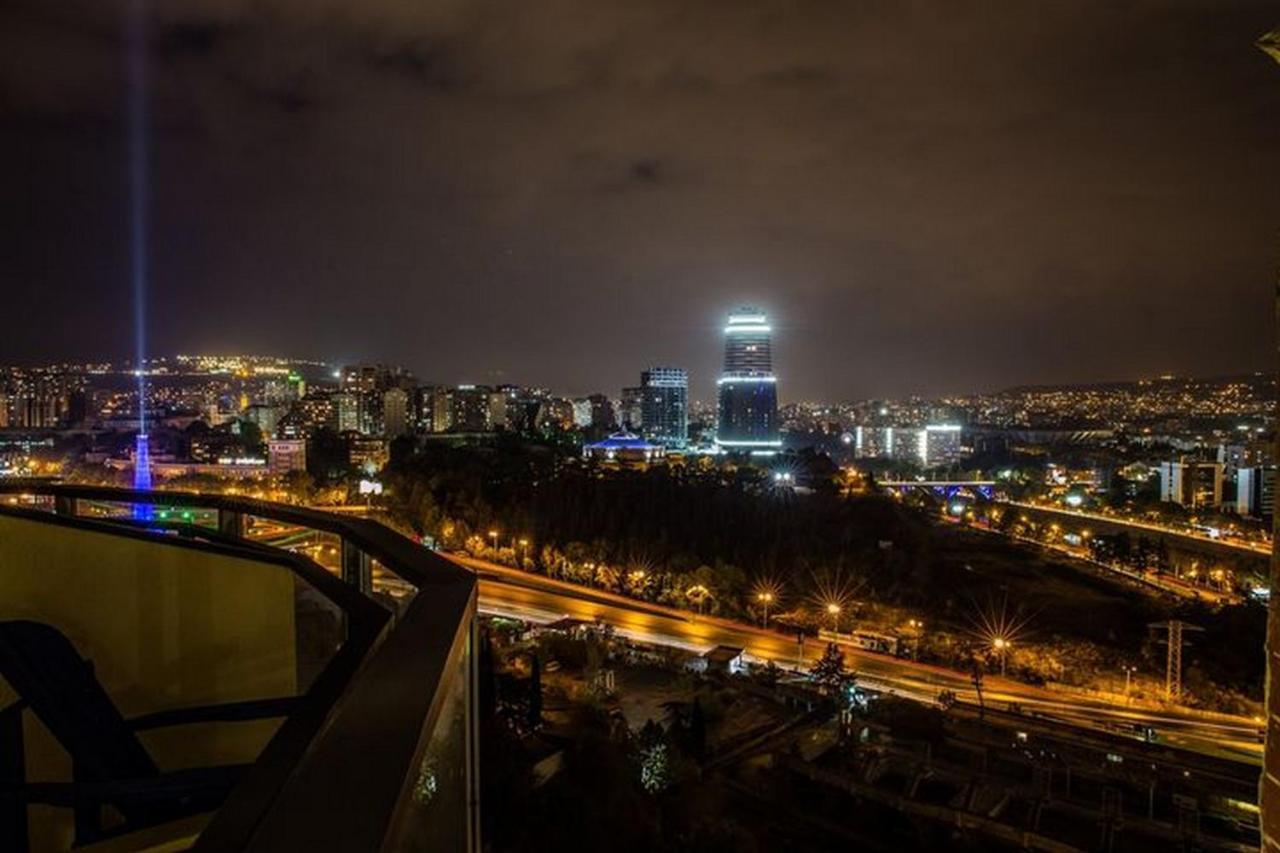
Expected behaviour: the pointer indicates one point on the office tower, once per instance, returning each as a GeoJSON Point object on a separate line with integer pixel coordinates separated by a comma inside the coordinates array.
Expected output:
{"type": "Point", "coordinates": [664, 405]}
{"type": "Point", "coordinates": [582, 413]}
{"type": "Point", "coordinates": [1256, 491]}
{"type": "Point", "coordinates": [631, 410]}
{"type": "Point", "coordinates": [603, 418]}
{"type": "Point", "coordinates": [395, 412]}
{"type": "Point", "coordinates": [1191, 483]}
{"type": "Point", "coordinates": [748, 405]}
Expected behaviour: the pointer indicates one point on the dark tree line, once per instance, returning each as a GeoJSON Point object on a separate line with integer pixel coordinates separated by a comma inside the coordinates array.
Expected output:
{"type": "Point", "coordinates": [671, 518]}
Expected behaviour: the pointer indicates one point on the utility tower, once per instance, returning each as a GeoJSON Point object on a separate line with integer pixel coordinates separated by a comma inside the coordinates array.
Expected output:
{"type": "Point", "coordinates": [1173, 662]}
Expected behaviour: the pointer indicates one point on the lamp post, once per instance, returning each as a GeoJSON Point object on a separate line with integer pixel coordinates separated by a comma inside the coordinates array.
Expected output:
{"type": "Point", "coordinates": [524, 552]}
{"type": "Point", "coordinates": [917, 631]}
{"type": "Point", "coordinates": [765, 599]}
{"type": "Point", "coordinates": [833, 610]}
{"type": "Point", "coordinates": [1128, 677]}
{"type": "Point", "coordinates": [493, 538]}
{"type": "Point", "coordinates": [1001, 646]}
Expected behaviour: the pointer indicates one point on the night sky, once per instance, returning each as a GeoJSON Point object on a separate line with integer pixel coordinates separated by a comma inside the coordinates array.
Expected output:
{"type": "Point", "coordinates": [926, 196]}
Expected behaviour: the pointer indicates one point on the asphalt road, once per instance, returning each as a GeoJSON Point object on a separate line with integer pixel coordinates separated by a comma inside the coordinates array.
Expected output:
{"type": "Point", "coordinates": [509, 592]}
{"type": "Point", "coordinates": [1263, 548]}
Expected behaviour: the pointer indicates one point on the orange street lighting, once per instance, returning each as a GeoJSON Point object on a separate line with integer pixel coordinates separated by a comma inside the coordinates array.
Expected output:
{"type": "Point", "coordinates": [1001, 646]}
{"type": "Point", "coordinates": [767, 590]}
{"type": "Point", "coordinates": [698, 594]}
{"type": "Point", "coordinates": [833, 609]}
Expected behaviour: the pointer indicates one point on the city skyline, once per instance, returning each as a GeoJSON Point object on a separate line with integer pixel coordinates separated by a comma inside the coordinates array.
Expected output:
{"type": "Point", "coordinates": [617, 391]}
{"type": "Point", "coordinates": [692, 426]}
{"type": "Point", "coordinates": [1042, 234]}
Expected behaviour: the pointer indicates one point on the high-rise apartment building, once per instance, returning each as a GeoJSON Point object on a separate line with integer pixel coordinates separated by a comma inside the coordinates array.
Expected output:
{"type": "Point", "coordinates": [582, 413]}
{"type": "Point", "coordinates": [748, 394]}
{"type": "Point", "coordinates": [1191, 483]}
{"type": "Point", "coordinates": [469, 409]}
{"type": "Point", "coordinates": [664, 405]}
{"type": "Point", "coordinates": [346, 412]}
{"type": "Point", "coordinates": [395, 412]}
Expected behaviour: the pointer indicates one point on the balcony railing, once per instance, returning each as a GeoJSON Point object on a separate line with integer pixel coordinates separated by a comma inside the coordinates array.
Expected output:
{"type": "Point", "coordinates": [375, 750]}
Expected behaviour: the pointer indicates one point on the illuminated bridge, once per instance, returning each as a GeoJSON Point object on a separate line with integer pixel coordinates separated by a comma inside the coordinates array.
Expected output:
{"type": "Point", "coordinates": [947, 489]}
{"type": "Point", "coordinates": [167, 684]}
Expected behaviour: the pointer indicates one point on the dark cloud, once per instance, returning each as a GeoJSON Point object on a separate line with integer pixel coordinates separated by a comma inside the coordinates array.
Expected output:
{"type": "Point", "coordinates": [198, 38]}
{"type": "Point", "coordinates": [800, 77]}
{"type": "Point", "coordinates": [927, 196]}
{"type": "Point", "coordinates": [646, 172]}
{"type": "Point", "coordinates": [429, 64]}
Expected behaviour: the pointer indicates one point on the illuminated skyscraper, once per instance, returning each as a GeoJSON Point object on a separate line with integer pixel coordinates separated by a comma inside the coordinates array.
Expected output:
{"type": "Point", "coordinates": [748, 405]}
{"type": "Point", "coordinates": [664, 406]}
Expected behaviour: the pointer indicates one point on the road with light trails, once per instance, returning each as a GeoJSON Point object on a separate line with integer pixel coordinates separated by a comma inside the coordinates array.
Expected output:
{"type": "Point", "coordinates": [511, 592]}
{"type": "Point", "coordinates": [505, 591]}
{"type": "Point", "coordinates": [1263, 548]}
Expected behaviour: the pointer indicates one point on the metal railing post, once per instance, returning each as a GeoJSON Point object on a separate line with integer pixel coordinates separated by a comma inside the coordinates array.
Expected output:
{"type": "Point", "coordinates": [356, 568]}
{"type": "Point", "coordinates": [231, 523]}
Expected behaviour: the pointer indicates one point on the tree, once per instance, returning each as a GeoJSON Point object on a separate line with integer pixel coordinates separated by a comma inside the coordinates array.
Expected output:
{"type": "Point", "coordinates": [975, 675]}
{"type": "Point", "coordinates": [829, 672]}
{"type": "Point", "coordinates": [655, 759]}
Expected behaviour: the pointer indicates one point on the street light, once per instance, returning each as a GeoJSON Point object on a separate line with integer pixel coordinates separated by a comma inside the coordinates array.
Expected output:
{"type": "Point", "coordinates": [834, 610]}
{"type": "Point", "coordinates": [1001, 646]}
{"type": "Point", "coordinates": [493, 537]}
{"type": "Point", "coordinates": [698, 594]}
{"type": "Point", "coordinates": [917, 629]}
{"type": "Point", "coordinates": [1128, 676]}
{"type": "Point", "coordinates": [765, 598]}
{"type": "Point", "coordinates": [524, 552]}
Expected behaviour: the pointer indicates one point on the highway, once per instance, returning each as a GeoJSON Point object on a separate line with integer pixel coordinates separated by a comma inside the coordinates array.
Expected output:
{"type": "Point", "coordinates": [1263, 548]}
{"type": "Point", "coordinates": [510, 592]}
{"type": "Point", "coordinates": [513, 593]}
